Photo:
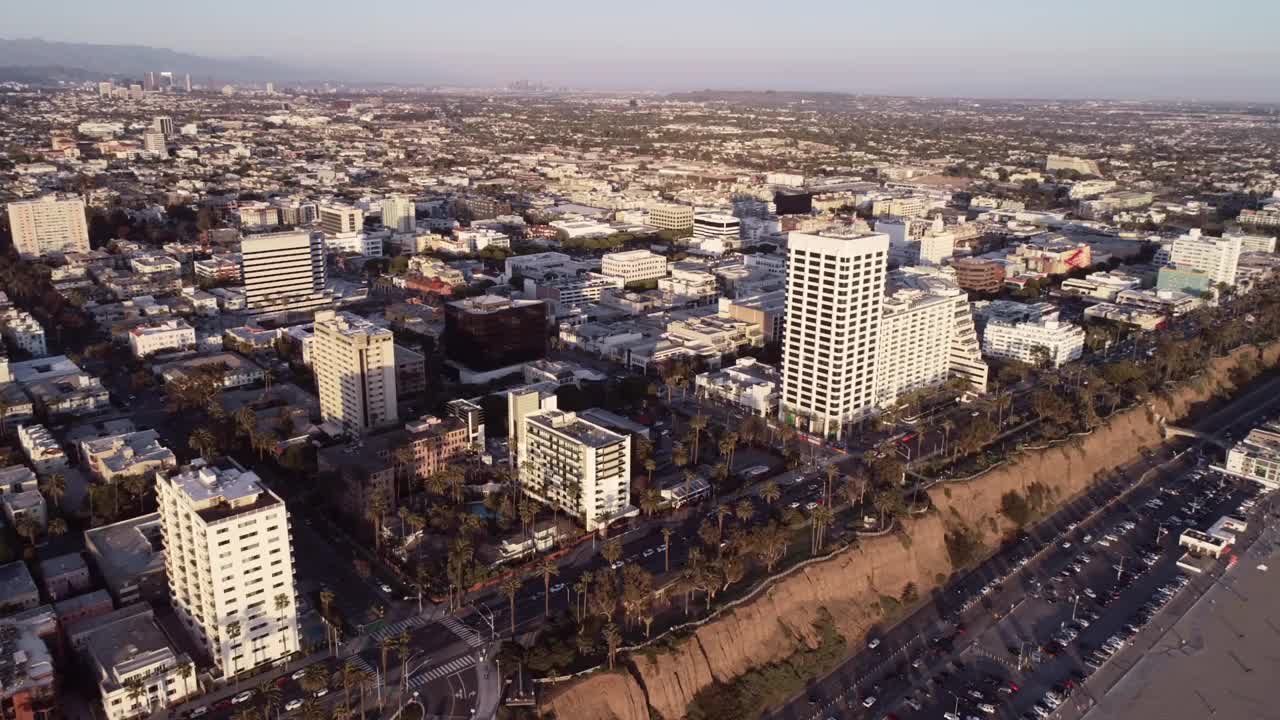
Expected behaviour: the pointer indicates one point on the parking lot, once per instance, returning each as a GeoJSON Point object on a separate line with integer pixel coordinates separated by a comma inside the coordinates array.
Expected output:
{"type": "Point", "coordinates": [1051, 619]}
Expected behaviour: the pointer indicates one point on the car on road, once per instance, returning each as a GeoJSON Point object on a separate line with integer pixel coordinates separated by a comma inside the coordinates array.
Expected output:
{"type": "Point", "coordinates": [200, 711]}
{"type": "Point", "coordinates": [557, 587]}
{"type": "Point", "coordinates": [243, 697]}
{"type": "Point", "coordinates": [617, 565]}
{"type": "Point", "coordinates": [385, 588]}
{"type": "Point", "coordinates": [869, 701]}
{"type": "Point", "coordinates": [987, 708]}
{"type": "Point", "coordinates": [648, 552]}
{"type": "Point", "coordinates": [1093, 595]}
{"type": "Point", "coordinates": [320, 693]}
{"type": "Point", "coordinates": [293, 704]}
{"type": "Point", "coordinates": [950, 716]}
{"type": "Point", "coordinates": [873, 644]}
{"type": "Point", "coordinates": [297, 674]}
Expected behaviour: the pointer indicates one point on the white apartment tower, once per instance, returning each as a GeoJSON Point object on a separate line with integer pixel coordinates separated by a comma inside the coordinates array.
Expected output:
{"type": "Point", "coordinates": [163, 124]}
{"type": "Point", "coordinates": [283, 271]}
{"type": "Point", "coordinates": [229, 561]}
{"type": "Point", "coordinates": [835, 290]}
{"type": "Point", "coordinates": [341, 219]}
{"type": "Point", "coordinates": [915, 344]}
{"type": "Point", "coordinates": [1216, 257]}
{"type": "Point", "coordinates": [577, 465]}
{"type": "Point", "coordinates": [48, 226]}
{"type": "Point", "coordinates": [398, 213]}
{"type": "Point", "coordinates": [355, 367]}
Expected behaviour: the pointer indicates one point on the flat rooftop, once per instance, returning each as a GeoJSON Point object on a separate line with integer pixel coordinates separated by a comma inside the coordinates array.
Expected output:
{"type": "Point", "coordinates": [128, 549]}
{"type": "Point", "coordinates": [567, 423]}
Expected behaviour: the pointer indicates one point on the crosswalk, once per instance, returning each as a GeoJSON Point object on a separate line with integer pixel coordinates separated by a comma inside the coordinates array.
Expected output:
{"type": "Point", "coordinates": [455, 665]}
{"type": "Point", "coordinates": [471, 637]}
{"type": "Point", "coordinates": [394, 629]}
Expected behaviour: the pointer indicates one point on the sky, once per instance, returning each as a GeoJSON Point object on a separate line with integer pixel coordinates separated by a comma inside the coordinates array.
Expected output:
{"type": "Point", "coordinates": [1191, 49]}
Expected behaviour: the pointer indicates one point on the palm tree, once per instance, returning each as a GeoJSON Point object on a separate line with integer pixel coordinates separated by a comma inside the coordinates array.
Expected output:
{"type": "Point", "coordinates": [611, 551]}
{"type": "Point", "coordinates": [649, 501]}
{"type": "Point", "coordinates": [679, 455]}
{"type": "Point", "coordinates": [650, 465]}
{"type": "Point", "coordinates": [770, 492]}
{"type": "Point", "coordinates": [744, 510]}
{"type": "Point", "coordinates": [722, 511]}
{"type": "Point", "coordinates": [202, 441]}
{"type": "Point", "coordinates": [549, 570]}
{"type": "Point", "coordinates": [27, 529]}
{"type": "Point", "coordinates": [282, 603]}
{"type": "Point", "coordinates": [137, 690]}
{"type": "Point", "coordinates": [612, 638]}
{"type": "Point", "coordinates": [822, 518]}
{"type": "Point", "coordinates": [947, 426]}
{"type": "Point", "coordinates": [832, 473]}
{"type": "Point", "coordinates": [855, 487]}
{"type": "Point", "coordinates": [57, 527]}
{"type": "Point", "coordinates": [511, 586]}
{"type": "Point", "coordinates": [315, 678]}
{"type": "Point", "coordinates": [697, 424]}
{"type": "Point", "coordinates": [271, 696]}
{"type": "Point", "coordinates": [666, 549]}
{"type": "Point", "coordinates": [55, 487]}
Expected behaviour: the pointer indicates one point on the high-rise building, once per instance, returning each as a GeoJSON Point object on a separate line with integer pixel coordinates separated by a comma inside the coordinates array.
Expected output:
{"type": "Point", "coordinates": [398, 213]}
{"type": "Point", "coordinates": [154, 144]}
{"type": "Point", "coordinates": [229, 560]}
{"type": "Point", "coordinates": [48, 226]}
{"type": "Point", "coordinates": [835, 290]}
{"type": "Point", "coordinates": [186, 85]}
{"type": "Point", "coordinates": [492, 334]}
{"type": "Point", "coordinates": [283, 271]}
{"type": "Point", "coordinates": [163, 124]}
{"type": "Point", "coordinates": [355, 367]}
{"type": "Point", "coordinates": [150, 82]}
{"type": "Point", "coordinates": [1216, 257]}
{"type": "Point", "coordinates": [576, 465]}
{"type": "Point", "coordinates": [271, 88]}
{"type": "Point", "coordinates": [341, 219]}
{"type": "Point", "coordinates": [105, 89]}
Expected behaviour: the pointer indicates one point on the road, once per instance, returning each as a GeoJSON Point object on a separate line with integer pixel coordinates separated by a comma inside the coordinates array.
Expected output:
{"type": "Point", "coordinates": [839, 693]}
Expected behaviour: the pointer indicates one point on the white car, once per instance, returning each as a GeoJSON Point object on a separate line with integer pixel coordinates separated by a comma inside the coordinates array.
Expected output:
{"type": "Point", "coordinates": [321, 692]}
{"type": "Point", "coordinates": [297, 674]}
{"type": "Point", "coordinates": [950, 716]}
{"type": "Point", "coordinates": [557, 587]}
{"type": "Point", "coordinates": [385, 588]}
{"type": "Point", "coordinates": [200, 712]}
{"type": "Point", "coordinates": [873, 644]}
{"type": "Point", "coordinates": [869, 701]}
{"type": "Point", "coordinates": [293, 704]}
{"type": "Point", "coordinates": [243, 697]}
{"type": "Point", "coordinates": [1090, 592]}
{"type": "Point", "coordinates": [987, 708]}
{"type": "Point", "coordinates": [617, 565]}
{"type": "Point", "coordinates": [648, 552]}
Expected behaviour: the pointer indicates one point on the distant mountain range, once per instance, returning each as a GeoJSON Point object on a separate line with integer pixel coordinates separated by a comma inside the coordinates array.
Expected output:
{"type": "Point", "coordinates": [32, 56]}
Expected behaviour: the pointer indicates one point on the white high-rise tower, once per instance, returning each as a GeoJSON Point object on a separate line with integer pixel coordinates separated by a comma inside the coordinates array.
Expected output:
{"type": "Point", "coordinates": [835, 290]}
{"type": "Point", "coordinates": [355, 366]}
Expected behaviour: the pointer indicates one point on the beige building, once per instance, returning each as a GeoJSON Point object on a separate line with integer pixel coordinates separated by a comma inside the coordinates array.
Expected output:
{"type": "Point", "coordinates": [634, 265]}
{"type": "Point", "coordinates": [671, 217]}
{"type": "Point", "coordinates": [355, 368]}
{"type": "Point", "coordinates": [48, 226]}
{"type": "Point", "coordinates": [576, 465]}
{"type": "Point", "coordinates": [229, 559]}
{"type": "Point", "coordinates": [341, 219]}
{"type": "Point", "coordinates": [128, 646]}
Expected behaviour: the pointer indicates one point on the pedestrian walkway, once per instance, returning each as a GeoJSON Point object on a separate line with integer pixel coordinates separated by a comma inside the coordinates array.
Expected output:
{"type": "Point", "coordinates": [460, 629]}
{"type": "Point", "coordinates": [455, 665]}
{"type": "Point", "coordinates": [396, 628]}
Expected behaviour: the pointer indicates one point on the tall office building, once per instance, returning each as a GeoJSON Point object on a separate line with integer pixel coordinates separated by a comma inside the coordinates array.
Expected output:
{"type": "Point", "coordinates": [398, 213]}
{"type": "Point", "coordinates": [48, 226]}
{"type": "Point", "coordinates": [150, 82]}
{"type": "Point", "coordinates": [229, 560]}
{"type": "Point", "coordinates": [835, 291]}
{"type": "Point", "coordinates": [341, 219]}
{"type": "Point", "coordinates": [576, 465]}
{"type": "Point", "coordinates": [105, 88]}
{"type": "Point", "coordinates": [1216, 257]}
{"type": "Point", "coordinates": [153, 143]}
{"type": "Point", "coordinates": [355, 366]}
{"type": "Point", "coordinates": [163, 124]}
{"type": "Point", "coordinates": [283, 271]}
{"type": "Point", "coordinates": [271, 88]}
{"type": "Point", "coordinates": [187, 83]}
{"type": "Point", "coordinates": [490, 336]}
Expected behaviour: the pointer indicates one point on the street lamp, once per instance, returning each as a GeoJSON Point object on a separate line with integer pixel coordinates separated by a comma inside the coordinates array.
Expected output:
{"type": "Point", "coordinates": [405, 678]}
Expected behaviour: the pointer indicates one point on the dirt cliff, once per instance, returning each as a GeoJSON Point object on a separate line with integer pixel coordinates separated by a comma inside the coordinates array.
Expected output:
{"type": "Point", "coordinates": [775, 624]}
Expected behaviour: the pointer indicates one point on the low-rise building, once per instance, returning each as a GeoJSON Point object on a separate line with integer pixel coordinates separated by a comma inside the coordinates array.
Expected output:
{"type": "Point", "coordinates": [129, 555]}
{"type": "Point", "coordinates": [41, 449]}
{"type": "Point", "coordinates": [64, 576]}
{"type": "Point", "coordinates": [748, 384]}
{"type": "Point", "coordinates": [1257, 457]}
{"type": "Point", "coordinates": [1101, 285]}
{"type": "Point", "coordinates": [18, 589]}
{"type": "Point", "coordinates": [78, 394]}
{"type": "Point", "coordinates": [1165, 302]}
{"type": "Point", "coordinates": [24, 331]}
{"type": "Point", "coordinates": [236, 371]}
{"type": "Point", "coordinates": [133, 453]}
{"type": "Point", "coordinates": [978, 275]}
{"type": "Point", "coordinates": [411, 372]}
{"type": "Point", "coordinates": [1029, 333]}
{"type": "Point", "coordinates": [129, 647]}
{"type": "Point", "coordinates": [173, 334]}
{"type": "Point", "coordinates": [634, 265]}
{"type": "Point", "coordinates": [28, 682]}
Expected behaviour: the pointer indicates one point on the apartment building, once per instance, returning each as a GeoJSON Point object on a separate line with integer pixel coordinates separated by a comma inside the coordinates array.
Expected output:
{"type": "Point", "coordinates": [1033, 339]}
{"type": "Point", "coordinates": [283, 272]}
{"type": "Point", "coordinates": [671, 217]}
{"type": "Point", "coordinates": [750, 385]}
{"type": "Point", "coordinates": [399, 213]}
{"type": "Point", "coordinates": [153, 337]}
{"type": "Point", "coordinates": [229, 559]}
{"type": "Point", "coordinates": [24, 331]}
{"type": "Point", "coordinates": [1216, 257]}
{"type": "Point", "coordinates": [48, 226]}
{"type": "Point", "coordinates": [634, 265]}
{"type": "Point", "coordinates": [1266, 217]}
{"type": "Point", "coordinates": [576, 465]}
{"type": "Point", "coordinates": [355, 369]}
{"type": "Point", "coordinates": [1253, 243]}
{"type": "Point", "coordinates": [914, 351]}
{"type": "Point", "coordinates": [41, 449]}
{"type": "Point", "coordinates": [128, 646]}
{"type": "Point", "coordinates": [132, 453]}
{"type": "Point", "coordinates": [1257, 457]}
{"type": "Point", "coordinates": [835, 290]}
{"type": "Point", "coordinates": [341, 220]}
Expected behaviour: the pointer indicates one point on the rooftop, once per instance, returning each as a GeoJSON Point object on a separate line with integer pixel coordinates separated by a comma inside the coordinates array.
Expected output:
{"type": "Point", "coordinates": [567, 423]}
{"type": "Point", "coordinates": [62, 564]}
{"type": "Point", "coordinates": [348, 324]}
{"type": "Point", "coordinates": [128, 548]}
{"type": "Point", "coordinates": [221, 492]}
{"type": "Point", "coordinates": [16, 581]}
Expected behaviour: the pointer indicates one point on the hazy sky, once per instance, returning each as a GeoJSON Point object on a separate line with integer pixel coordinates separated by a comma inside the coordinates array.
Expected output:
{"type": "Point", "coordinates": [1220, 49]}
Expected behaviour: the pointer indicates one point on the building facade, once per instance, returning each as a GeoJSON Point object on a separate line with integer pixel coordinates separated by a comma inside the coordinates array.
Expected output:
{"type": "Point", "coordinates": [634, 265]}
{"type": "Point", "coordinates": [229, 559]}
{"type": "Point", "coordinates": [283, 272]}
{"type": "Point", "coordinates": [835, 290]}
{"type": "Point", "coordinates": [398, 213]}
{"type": "Point", "coordinates": [489, 333]}
{"type": "Point", "coordinates": [48, 226]}
{"type": "Point", "coordinates": [671, 217]}
{"type": "Point", "coordinates": [1215, 257]}
{"type": "Point", "coordinates": [355, 368]}
{"type": "Point", "coordinates": [576, 465]}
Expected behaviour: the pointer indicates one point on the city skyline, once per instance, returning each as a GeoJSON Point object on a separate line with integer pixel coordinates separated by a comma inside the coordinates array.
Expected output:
{"type": "Point", "coordinates": [1138, 51]}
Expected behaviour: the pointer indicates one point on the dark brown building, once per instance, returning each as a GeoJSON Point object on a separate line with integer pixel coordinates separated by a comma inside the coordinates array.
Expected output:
{"type": "Point", "coordinates": [986, 276]}
{"type": "Point", "coordinates": [490, 332]}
